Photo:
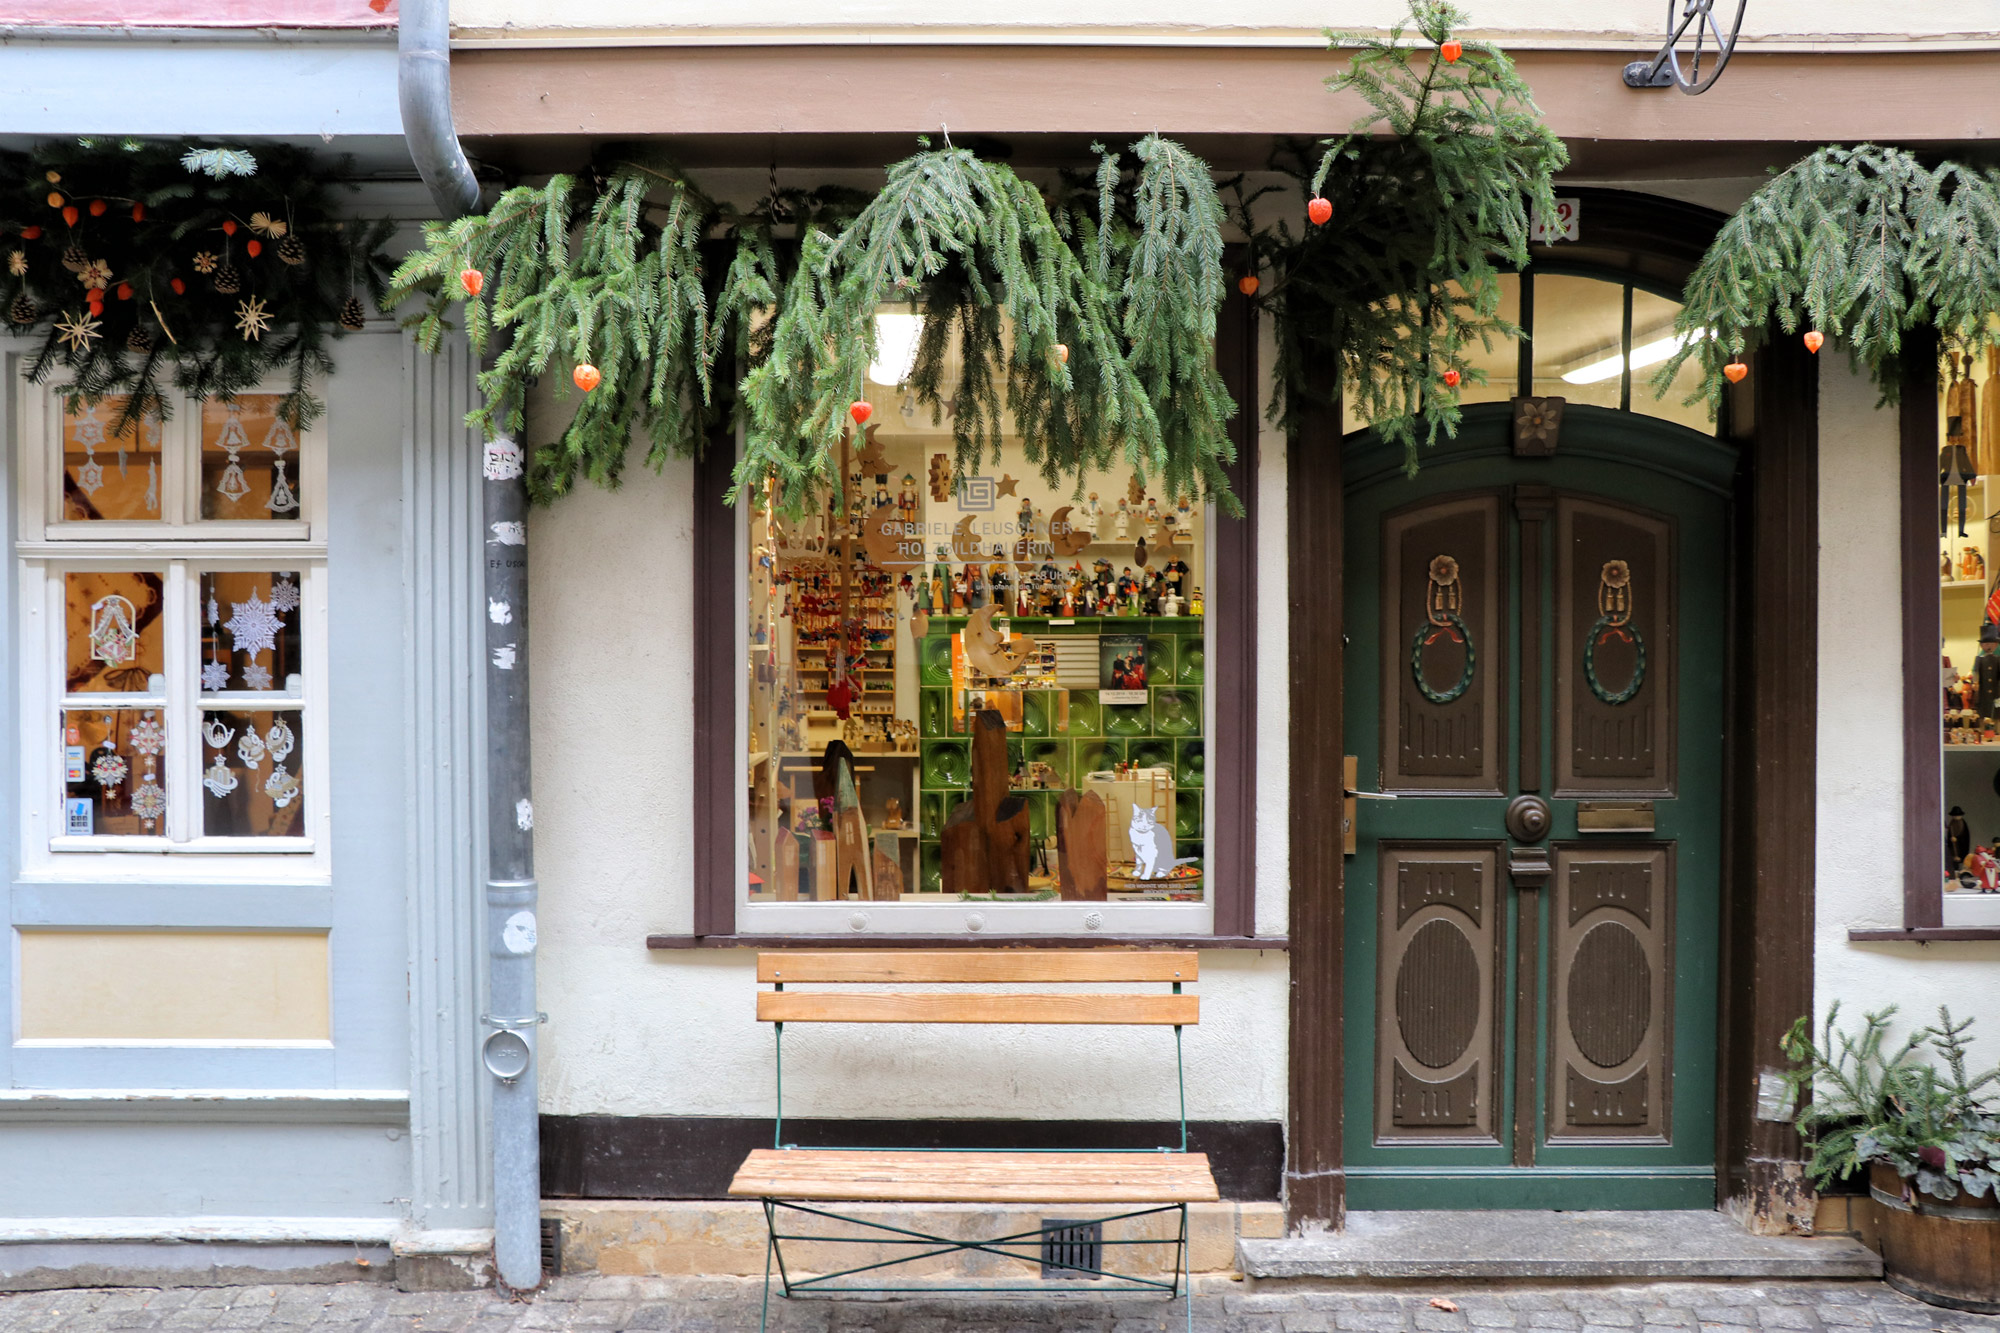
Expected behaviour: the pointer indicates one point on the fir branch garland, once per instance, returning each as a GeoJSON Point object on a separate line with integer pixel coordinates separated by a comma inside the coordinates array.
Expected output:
{"type": "Point", "coordinates": [1406, 276]}
{"type": "Point", "coordinates": [174, 251]}
{"type": "Point", "coordinates": [1862, 244]}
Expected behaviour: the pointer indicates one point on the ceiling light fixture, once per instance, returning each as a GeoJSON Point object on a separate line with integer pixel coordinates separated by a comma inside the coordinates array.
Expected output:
{"type": "Point", "coordinates": [1645, 354]}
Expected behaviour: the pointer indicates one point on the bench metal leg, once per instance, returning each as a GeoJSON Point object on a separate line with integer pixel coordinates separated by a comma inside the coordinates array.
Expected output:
{"type": "Point", "coordinates": [770, 1246]}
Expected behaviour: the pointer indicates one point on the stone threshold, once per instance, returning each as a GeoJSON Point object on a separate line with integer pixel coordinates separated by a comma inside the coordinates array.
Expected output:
{"type": "Point", "coordinates": [1515, 1245]}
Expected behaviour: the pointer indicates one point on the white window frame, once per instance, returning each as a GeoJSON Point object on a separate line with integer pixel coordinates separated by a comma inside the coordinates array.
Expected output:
{"type": "Point", "coordinates": [180, 546]}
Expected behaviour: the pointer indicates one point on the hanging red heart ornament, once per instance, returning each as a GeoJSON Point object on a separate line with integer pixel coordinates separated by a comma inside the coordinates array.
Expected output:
{"type": "Point", "coordinates": [1735, 371]}
{"type": "Point", "coordinates": [1247, 284]}
{"type": "Point", "coordinates": [587, 376]}
{"type": "Point", "coordinates": [31, 233]}
{"type": "Point", "coordinates": [1814, 340]}
{"type": "Point", "coordinates": [1451, 50]}
{"type": "Point", "coordinates": [473, 280]}
{"type": "Point", "coordinates": [229, 226]}
{"type": "Point", "coordinates": [124, 291]}
{"type": "Point", "coordinates": [139, 212]}
{"type": "Point", "coordinates": [97, 207]}
{"type": "Point", "coordinates": [1062, 353]}
{"type": "Point", "coordinates": [255, 248]}
{"type": "Point", "coordinates": [861, 409]}
{"type": "Point", "coordinates": [70, 214]}
{"type": "Point", "coordinates": [180, 287]}
{"type": "Point", "coordinates": [1320, 211]}
{"type": "Point", "coordinates": [1451, 378]}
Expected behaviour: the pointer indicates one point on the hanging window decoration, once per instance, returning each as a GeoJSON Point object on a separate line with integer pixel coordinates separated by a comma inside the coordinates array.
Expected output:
{"type": "Point", "coordinates": [1443, 602]}
{"type": "Point", "coordinates": [233, 486]}
{"type": "Point", "coordinates": [109, 768]}
{"type": "Point", "coordinates": [114, 634]}
{"type": "Point", "coordinates": [1614, 621]}
{"type": "Point", "coordinates": [89, 433]}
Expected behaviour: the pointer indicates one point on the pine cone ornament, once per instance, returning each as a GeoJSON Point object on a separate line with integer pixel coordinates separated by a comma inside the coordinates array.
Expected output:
{"type": "Point", "coordinates": [138, 340]}
{"type": "Point", "coordinates": [353, 315]}
{"type": "Point", "coordinates": [23, 311]}
{"type": "Point", "coordinates": [291, 249]}
{"type": "Point", "coordinates": [227, 279]}
{"type": "Point", "coordinates": [75, 257]}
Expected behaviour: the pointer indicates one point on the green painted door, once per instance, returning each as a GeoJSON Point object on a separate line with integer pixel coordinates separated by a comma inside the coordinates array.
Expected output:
{"type": "Point", "coordinates": [1535, 674]}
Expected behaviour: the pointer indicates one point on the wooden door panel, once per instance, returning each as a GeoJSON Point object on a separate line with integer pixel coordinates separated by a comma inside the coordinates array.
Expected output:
{"type": "Point", "coordinates": [1611, 993]}
{"type": "Point", "coordinates": [1615, 684]}
{"type": "Point", "coordinates": [1444, 646]}
{"type": "Point", "coordinates": [1438, 1030]}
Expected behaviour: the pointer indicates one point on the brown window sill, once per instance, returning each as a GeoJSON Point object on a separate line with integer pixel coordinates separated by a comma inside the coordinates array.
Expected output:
{"type": "Point", "coordinates": [1279, 942]}
{"type": "Point", "coordinates": [1925, 934]}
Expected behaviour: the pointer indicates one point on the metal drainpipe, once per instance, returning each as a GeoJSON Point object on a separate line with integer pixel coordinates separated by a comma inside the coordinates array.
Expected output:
{"type": "Point", "coordinates": [423, 86]}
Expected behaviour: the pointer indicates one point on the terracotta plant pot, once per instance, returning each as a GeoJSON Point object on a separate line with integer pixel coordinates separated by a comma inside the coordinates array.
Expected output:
{"type": "Point", "coordinates": [1945, 1252]}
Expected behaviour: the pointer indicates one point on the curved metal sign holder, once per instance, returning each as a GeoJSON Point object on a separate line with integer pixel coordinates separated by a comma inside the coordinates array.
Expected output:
{"type": "Point", "coordinates": [1667, 69]}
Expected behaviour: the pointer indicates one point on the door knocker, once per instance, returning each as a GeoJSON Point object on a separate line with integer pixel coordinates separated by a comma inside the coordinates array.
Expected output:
{"type": "Point", "coordinates": [1614, 621]}
{"type": "Point", "coordinates": [1443, 599]}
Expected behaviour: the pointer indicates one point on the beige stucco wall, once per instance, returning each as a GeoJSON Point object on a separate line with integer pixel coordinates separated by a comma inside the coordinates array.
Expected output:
{"type": "Point", "coordinates": [1859, 836]}
{"type": "Point", "coordinates": [1537, 22]}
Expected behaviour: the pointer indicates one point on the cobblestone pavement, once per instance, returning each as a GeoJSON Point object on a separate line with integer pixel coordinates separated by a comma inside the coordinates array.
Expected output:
{"type": "Point", "coordinates": [730, 1306]}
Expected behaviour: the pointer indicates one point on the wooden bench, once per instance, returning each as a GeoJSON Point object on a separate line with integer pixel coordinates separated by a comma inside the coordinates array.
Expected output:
{"type": "Point", "coordinates": [1139, 1182]}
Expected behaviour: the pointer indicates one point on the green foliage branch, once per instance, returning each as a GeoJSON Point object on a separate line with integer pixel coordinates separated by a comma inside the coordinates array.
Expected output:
{"type": "Point", "coordinates": [1433, 193]}
{"type": "Point", "coordinates": [146, 214]}
{"type": "Point", "coordinates": [1912, 1104]}
{"type": "Point", "coordinates": [1862, 244]}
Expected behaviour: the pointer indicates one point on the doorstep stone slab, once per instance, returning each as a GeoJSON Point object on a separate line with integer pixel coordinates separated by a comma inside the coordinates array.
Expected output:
{"type": "Point", "coordinates": [1519, 1244]}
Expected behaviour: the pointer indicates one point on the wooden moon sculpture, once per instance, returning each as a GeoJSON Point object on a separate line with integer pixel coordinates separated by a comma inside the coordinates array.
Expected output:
{"type": "Point", "coordinates": [1065, 536]}
{"type": "Point", "coordinates": [964, 543]}
{"type": "Point", "coordinates": [892, 542]}
{"type": "Point", "coordinates": [988, 650]}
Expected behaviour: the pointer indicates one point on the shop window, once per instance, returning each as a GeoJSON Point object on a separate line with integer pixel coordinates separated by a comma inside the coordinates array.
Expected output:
{"type": "Point", "coordinates": [174, 571]}
{"type": "Point", "coordinates": [981, 703]}
{"type": "Point", "coordinates": [1968, 541]}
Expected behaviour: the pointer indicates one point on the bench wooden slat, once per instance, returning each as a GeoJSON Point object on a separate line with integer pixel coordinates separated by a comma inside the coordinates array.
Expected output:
{"type": "Point", "coordinates": [959, 1007]}
{"type": "Point", "coordinates": [980, 965]}
{"type": "Point", "coordinates": [853, 1175]}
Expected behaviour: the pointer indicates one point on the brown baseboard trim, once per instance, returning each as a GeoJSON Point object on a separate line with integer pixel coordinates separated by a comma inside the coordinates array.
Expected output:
{"type": "Point", "coordinates": [1278, 942]}
{"type": "Point", "coordinates": [1924, 934]}
{"type": "Point", "coordinates": [694, 1157]}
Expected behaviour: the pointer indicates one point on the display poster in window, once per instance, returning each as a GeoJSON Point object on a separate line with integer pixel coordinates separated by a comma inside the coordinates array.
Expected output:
{"type": "Point", "coordinates": [1121, 677]}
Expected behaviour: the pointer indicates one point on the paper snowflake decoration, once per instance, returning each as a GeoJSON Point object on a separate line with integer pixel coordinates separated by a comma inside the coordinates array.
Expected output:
{"type": "Point", "coordinates": [87, 431]}
{"type": "Point", "coordinates": [17, 263]}
{"type": "Point", "coordinates": [205, 262]}
{"type": "Point", "coordinates": [252, 320]}
{"type": "Point", "coordinates": [256, 677]}
{"type": "Point", "coordinates": [149, 802]}
{"type": "Point", "coordinates": [254, 625]}
{"type": "Point", "coordinates": [285, 595]}
{"type": "Point", "coordinates": [148, 736]}
{"type": "Point", "coordinates": [266, 225]}
{"type": "Point", "coordinates": [215, 676]}
{"type": "Point", "coordinates": [78, 330]}
{"type": "Point", "coordinates": [109, 769]}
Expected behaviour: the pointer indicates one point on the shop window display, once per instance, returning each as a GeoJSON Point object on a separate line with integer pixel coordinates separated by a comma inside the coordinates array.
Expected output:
{"type": "Point", "coordinates": [1969, 618]}
{"type": "Point", "coordinates": [977, 688]}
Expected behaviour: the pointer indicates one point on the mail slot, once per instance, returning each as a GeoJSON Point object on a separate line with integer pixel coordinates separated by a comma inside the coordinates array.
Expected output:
{"type": "Point", "coordinates": [1614, 816]}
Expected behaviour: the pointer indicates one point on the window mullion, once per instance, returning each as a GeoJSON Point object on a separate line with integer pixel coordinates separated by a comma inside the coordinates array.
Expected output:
{"type": "Point", "coordinates": [179, 770]}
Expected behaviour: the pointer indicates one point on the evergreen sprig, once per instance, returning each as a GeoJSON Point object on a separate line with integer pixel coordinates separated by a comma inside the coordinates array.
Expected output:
{"type": "Point", "coordinates": [1406, 276]}
{"type": "Point", "coordinates": [1862, 244]}
{"type": "Point", "coordinates": [1036, 324]}
{"type": "Point", "coordinates": [131, 219]}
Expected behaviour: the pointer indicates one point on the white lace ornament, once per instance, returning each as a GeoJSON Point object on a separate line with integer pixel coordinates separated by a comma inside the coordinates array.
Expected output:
{"type": "Point", "coordinates": [215, 676]}
{"type": "Point", "coordinates": [114, 635]}
{"type": "Point", "coordinates": [90, 433]}
{"type": "Point", "coordinates": [110, 770]}
{"type": "Point", "coordinates": [279, 741]}
{"type": "Point", "coordinates": [217, 733]}
{"type": "Point", "coordinates": [285, 595]}
{"type": "Point", "coordinates": [256, 677]}
{"type": "Point", "coordinates": [232, 486]}
{"type": "Point", "coordinates": [281, 787]}
{"type": "Point", "coordinates": [220, 779]}
{"type": "Point", "coordinates": [283, 499]}
{"type": "Point", "coordinates": [150, 801]}
{"type": "Point", "coordinates": [148, 736]}
{"type": "Point", "coordinates": [253, 626]}
{"type": "Point", "coordinates": [251, 749]}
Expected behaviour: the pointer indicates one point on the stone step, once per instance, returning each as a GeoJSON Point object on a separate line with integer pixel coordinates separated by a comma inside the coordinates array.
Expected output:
{"type": "Point", "coordinates": [1508, 1244]}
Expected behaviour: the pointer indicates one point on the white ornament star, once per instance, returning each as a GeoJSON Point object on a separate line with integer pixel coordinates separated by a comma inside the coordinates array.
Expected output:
{"type": "Point", "coordinates": [257, 677]}
{"type": "Point", "coordinates": [252, 320]}
{"type": "Point", "coordinates": [285, 595]}
{"type": "Point", "coordinates": [254, 625]}
{"type": "Point", "coordinates": [215, 676]}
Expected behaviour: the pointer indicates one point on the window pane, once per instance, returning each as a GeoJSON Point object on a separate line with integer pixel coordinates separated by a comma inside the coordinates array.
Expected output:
{"type": "Point", "coordinates": [979, 651]}
{"type": "Point", "coordinates": [254, 774]}
{"type": "Point", "coordinates": [1967, 493]}
{"type": "Point", "coordinates": [114, 771]}
{"type": "Point", "coordinates": [109, 470]}
{"type": "Point", "coordinates": [1578, 352]}
{"type": "Point", "coordinates": [115, 633]}
{"type": "Point", "coordinates": [250, 631]}
{"type": "Point", "coordinates": [1653, 341]}
{"type": "Point", "coordinates": [249, 460]}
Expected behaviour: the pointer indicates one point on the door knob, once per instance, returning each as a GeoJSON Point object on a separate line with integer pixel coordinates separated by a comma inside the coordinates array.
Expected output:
{"type": "Point", "coordinates": [1528, 818]}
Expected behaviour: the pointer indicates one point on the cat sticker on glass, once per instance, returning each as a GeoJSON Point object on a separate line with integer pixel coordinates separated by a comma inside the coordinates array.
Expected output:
{"type": "Point", "coordinates": [1152, 845]}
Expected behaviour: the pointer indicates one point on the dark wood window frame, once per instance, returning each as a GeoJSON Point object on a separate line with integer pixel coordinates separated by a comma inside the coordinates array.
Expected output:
{"type": "Point", "coordinates": [1232, 787]}
{"type": "Point", "coordinates": [1923, 735]}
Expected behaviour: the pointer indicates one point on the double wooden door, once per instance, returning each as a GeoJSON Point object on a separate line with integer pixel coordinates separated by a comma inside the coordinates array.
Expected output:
{"type": "Point", "coordinates": [1535, 675]}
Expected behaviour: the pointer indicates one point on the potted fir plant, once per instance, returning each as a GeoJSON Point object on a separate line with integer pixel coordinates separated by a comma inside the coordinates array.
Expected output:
{"type": "Point", "coordinates": [1928, 1134]}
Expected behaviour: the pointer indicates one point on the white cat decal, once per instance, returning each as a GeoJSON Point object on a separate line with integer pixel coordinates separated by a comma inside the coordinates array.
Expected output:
{"type": "Point", "coordinates": [1152, 845]}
